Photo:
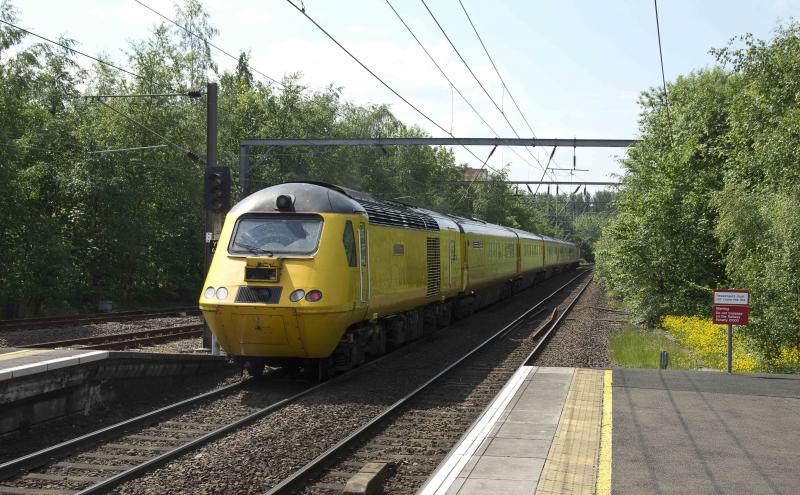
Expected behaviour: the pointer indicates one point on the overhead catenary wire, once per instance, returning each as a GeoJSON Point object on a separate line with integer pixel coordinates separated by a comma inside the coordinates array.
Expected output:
{"type": "Point", "coordinates": [466, 190]}
{"type": "Point", "coordinates": [208, 42]}
{"type": "Point", "coordinates": [497, 71]}
{"type": "Point", "coordinates": [120, 150]}
{"type": "Point", "coordinates": [663, 76]}
{"type": "Point", "coordinates": [69, 48]}
{"type": "Point", "coordinates": [380, 80]}
{"type": "Point", "coordinates": [464, 61]}
{"type": "Point", "coordinates": [453, 87]}
{"type": "Point", "coordinates": [185, 150]}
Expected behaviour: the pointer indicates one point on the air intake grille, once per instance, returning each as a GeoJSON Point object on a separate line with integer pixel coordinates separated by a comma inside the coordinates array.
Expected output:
{"type": "Point", "coordinates": [434, 267]}
{"type": "Point", "coordinates": [265, 295]}
{"type": "Point", "coordinates": [382, 213]}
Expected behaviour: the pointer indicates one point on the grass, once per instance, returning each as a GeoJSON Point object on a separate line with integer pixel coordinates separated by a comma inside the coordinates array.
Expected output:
{"type": "Point", "coordinates": [632, 347]}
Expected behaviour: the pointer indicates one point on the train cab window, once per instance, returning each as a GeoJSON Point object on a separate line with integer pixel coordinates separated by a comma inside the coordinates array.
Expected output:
{"type": "Point", "coordinates": [349, 240]}
{"type": "Point", "coordinates": [276, 234]}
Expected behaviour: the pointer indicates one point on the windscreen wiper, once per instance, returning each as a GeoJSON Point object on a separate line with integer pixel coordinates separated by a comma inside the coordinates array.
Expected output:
{"type": "Point", "coordinates": [253, 249]}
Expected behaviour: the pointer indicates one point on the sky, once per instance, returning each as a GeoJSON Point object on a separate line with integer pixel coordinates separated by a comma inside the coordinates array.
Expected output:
{"type": "Point", "coordinates": [575, 68]}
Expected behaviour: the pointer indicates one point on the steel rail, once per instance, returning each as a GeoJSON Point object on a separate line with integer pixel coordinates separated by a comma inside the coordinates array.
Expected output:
{"type": "Point", "coordinates": [42, 457]}
{"type": "Point", "coordinates": [46, 455]}
{"type": "Point", "coordinates": [288, 485]}
{"type": "Point", "coordinates": [544, 338]}
{"type": "Point", "coordinates": [108, 484]}
{"type": "Point", "coordinates": [53, 321]}
{"type": "Point", "coordinates": [31, 461]}
{"type": "Point", "coordinates": [112, 341]}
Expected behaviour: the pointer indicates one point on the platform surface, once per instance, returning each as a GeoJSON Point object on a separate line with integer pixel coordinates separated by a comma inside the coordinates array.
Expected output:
{"type": "Point", "coordinates": [21, 362]}
{"type": "Point", "coordinates": [541, 434]}
{"type": "Point", "coordinates": [628, 432]}
{"type": "Point", "coordinates": [15, 362]}
{"type": "Point", "coordinates": [705, 432]}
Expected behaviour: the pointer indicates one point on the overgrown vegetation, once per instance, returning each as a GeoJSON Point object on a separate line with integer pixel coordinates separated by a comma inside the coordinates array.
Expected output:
{"type": "Point", "coordinates": [79, 226]}
{"type": "Point", "coordinates": [633, 347]}
{"type": "Point", "coordinates": [712, 194]}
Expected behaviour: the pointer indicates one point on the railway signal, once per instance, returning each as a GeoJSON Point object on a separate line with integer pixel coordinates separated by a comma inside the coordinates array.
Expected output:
{"type": "Point", "coordinates": [217, 189]}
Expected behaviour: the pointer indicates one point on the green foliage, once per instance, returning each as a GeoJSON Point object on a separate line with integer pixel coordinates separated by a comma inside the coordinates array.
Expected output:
{"type": "Point", "coordinates": [659, 253]}
{"type": "Point", "coordinates": [637, 348]}
{"type": "Point", "coordinates": [81, 226]}
{"type": "Point", "coordinates": [710, 197]}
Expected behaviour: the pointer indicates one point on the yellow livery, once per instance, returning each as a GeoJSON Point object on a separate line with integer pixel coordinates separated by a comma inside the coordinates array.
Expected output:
{"type": "Point", "coordinates": [315, 275]}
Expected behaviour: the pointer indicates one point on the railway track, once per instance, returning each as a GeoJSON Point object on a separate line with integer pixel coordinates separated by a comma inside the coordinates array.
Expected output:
{"type": "Point", "coordinates": [74, 320]}
{"type": "Point", "coordinates": [125, 340]}
{"type": "Point", "coordinates": [449, 402]}
{"type": "Point", "coordinates": [99, 462]}
{"type": "Point", "coordinates": [95, 462]}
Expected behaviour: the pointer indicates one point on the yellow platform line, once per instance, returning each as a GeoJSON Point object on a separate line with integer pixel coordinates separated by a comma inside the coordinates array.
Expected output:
{"type": "Point", "coordinates": [23, 353]}
{"type": "Point", "coordinates": [603, 486]}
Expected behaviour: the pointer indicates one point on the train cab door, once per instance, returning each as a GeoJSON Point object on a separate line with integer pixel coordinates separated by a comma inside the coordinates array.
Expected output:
{"type": "Point", "coordinates": [363, 266]}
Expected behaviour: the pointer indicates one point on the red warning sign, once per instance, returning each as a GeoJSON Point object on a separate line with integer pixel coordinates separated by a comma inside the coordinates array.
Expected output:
{"type": "Point", "coordinates": [733, 315]}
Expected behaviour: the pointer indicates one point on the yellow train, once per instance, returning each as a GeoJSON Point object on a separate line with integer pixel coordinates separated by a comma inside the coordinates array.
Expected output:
{"type": "Point", "coordinates": [314, 275]}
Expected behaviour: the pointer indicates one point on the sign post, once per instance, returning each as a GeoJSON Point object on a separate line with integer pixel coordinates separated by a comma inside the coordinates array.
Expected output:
{"type": "Point", "coordinates": [731, 307]}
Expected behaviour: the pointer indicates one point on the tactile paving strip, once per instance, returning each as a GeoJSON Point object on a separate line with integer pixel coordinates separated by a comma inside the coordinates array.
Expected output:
{"type": "Point", "coordinates": [571, 465]}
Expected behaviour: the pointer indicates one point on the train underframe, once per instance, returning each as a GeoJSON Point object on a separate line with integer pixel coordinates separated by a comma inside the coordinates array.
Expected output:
{"type": "Point", "coordinates": [371, 339]}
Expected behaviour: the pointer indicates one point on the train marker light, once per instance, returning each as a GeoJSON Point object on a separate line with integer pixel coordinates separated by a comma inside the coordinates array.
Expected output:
{"type": "Point", "coordinates": [222, 293]}
{"type": "Point", "coordinates": [313, 296]}
{"type": "Point", "coordinates": [209, 293]}
{"type": "Point", "coordinates": [297, 295]}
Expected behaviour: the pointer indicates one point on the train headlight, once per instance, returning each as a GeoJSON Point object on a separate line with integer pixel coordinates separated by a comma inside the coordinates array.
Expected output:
{"type": "Point", "coordinates": [313, 296]}
{"type": "Point", "coordinates": [297, 295]}
{"type": "Point", "coordinates": [209, 293]}
{"type": "Point", "coordinates": [222, 293]}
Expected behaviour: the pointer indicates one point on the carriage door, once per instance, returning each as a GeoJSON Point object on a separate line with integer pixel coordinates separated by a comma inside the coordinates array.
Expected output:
{"type": "Point", "coordinates": [363, 264]}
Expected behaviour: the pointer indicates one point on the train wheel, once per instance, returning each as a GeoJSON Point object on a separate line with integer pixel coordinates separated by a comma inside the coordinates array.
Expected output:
{"type": "Point", "coordinates": [325, 369]}
{"type": "Point", "coordinates": [255, 367]}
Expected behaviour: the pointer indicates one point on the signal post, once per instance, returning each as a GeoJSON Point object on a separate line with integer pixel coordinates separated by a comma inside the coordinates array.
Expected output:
{"type": "Point", "coordinates": [216, 197]}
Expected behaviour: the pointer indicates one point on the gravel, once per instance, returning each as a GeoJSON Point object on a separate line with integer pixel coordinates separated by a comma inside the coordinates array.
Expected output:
{"type": "Point", "coordinates": [142, 443]}
{"type": "Point", "coordinates": [582, 339]}
{"type": "Point", "coordinates": [184, 346]}
{"type": "Point", "coordinates": [137, 399]}
{"type": "Point", "coordinates": [258, 456]}
{"type": "Point", "coordinates": [12, 338]}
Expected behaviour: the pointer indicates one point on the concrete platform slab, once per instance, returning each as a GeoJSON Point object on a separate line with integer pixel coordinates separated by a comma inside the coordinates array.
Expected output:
{"type": "Point", "coordinates": [705, 432]}
{"type": "Point", "coordinates": [23, 362]}
{"type": "Point", "coordinates": [551, 431]}
{"type": "Point", "coordinates": [531, 439]}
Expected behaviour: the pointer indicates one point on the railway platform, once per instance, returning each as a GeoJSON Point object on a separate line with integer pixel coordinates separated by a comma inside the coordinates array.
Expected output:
{"type": "Point", "coordinates": [629, 431]}
{"type": "Point", "coordinates": [41, 384]}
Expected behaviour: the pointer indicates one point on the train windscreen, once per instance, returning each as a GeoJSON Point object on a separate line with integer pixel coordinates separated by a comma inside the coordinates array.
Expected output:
{"type": "Point", "coordinates": [272, 235]}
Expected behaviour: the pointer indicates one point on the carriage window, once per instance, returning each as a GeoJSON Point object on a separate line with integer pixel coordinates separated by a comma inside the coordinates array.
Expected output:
{"type": "Point", "coordinates": [349, 240]}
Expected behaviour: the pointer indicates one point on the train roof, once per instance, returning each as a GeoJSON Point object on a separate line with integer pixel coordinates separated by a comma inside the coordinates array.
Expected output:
{"type": "Point", "coordinates": [323, 197]}
{"type": "Point", "coordinates": [309, 197]}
